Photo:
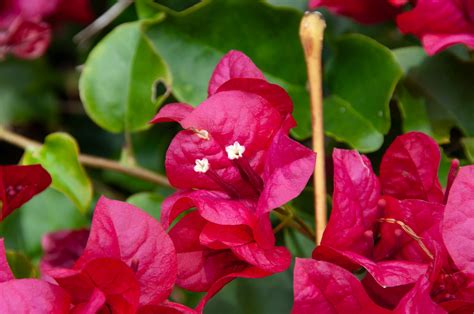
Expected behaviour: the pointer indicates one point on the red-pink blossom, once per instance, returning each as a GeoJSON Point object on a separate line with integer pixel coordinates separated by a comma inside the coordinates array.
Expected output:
{"type": "Point", "coordinates": [129, 263]}
{"type": "Point", "coordinates": [363, 11]}
{"type": "Point", "coordinates": [18, 184]}
{"type": "Point", "coordinates": [237, 141]}
{"type": "Point", "coordinates": [440, 24]}
{"type": "Point", "coordinates": [25, 30]}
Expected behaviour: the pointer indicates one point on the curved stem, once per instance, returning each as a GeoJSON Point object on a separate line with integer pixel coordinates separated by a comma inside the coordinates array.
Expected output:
{"type": "Point", "coordinates": [311, 33]}
{"type": "Point", "coordinates": [90, 161]}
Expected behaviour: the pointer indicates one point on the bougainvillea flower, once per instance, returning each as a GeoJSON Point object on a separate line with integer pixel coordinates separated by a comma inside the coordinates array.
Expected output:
{"type": "Point", "coordinates": [25, 31]}
{"type": "Point", "coordinates": [440, 24]}
{"type": "Point", "coordinates": [237, 140]}
{"type": "Point", "coordinates": [61, 249]}
{"type": "Point", "coordinates": [18, 184]}
{"type": "Point", "coordinates": [363, 11]}
{"type": "Point", "coordinates": [129, 262]}
{"type": "Point", "coordinates": [211, 255]}
{"type": "Point", "coordinates": [28, 295]}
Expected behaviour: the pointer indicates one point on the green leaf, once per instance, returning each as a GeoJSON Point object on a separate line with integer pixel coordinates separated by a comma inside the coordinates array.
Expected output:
{"type": "Point", "coordinates": [468, 145]}
{"type": "Point", "coordinates": [193, 42]}
{"type": "Point", "coordinates": [119, 79]}
{"type": "Point", "coordinates": [414, 112]}
{"type": "Point", "coordinates": [150, 8]}
{"type": "Point", "coordinates": [21, 265]}
{"type": "Point", "coordinates": [345, 124]}
{"type": "Point", "coordinates": [364, 73]}
{"type": "Point", "coordinates": [446, 83]}
{"type": "Point", "coordinates": [26, 93]}
{"type": "Point", "coordinates": [149, 202]}
{"type": "Point", "coordinates": [59, 155]}
{"type": "Point", "coordinates": [298, 244]}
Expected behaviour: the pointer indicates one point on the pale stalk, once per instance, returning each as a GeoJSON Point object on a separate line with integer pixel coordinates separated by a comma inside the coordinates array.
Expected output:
{"type": "Point", "coordinates": [311, 33]}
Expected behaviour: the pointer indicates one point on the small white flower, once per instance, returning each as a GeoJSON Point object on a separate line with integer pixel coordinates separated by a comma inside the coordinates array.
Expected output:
{"type": "Point", "coordinates": [202, 165]}
{"type": "Point", "coordinates": [235, 151]}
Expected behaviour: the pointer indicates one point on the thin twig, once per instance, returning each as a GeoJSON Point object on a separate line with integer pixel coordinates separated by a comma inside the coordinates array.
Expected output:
{"type": "Point", "coordinates": [102, 21]}
{"type": "Point", "coordinates": [311, 33]}
{"type": "Point", "coordinates": [90, 161]}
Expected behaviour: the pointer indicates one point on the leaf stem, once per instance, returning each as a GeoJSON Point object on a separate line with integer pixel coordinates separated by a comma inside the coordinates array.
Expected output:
{"type": "Point", "coordinates": [102, 21]}
{"type": "Point", "coordinates": [90, 161]}
{"type": "Point", "coordinates": [311, 33]}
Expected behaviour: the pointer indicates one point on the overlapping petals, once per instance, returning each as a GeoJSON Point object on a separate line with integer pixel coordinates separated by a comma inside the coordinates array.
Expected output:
{"type": "Point", "coordinates": [129, 262]}
{"type": "Point", "coordinates": [414, 248]}
{"type": "Point", "coordinates": [440, 24]}
{"type": "Point", "coordinates": [363, 11]}
{"type": "Point", "coordinates": [28, 295]}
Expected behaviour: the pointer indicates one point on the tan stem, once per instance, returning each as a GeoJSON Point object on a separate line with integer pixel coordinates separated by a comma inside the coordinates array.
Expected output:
{"type": "Point", "coordinates": [90, 161]}
{"type": "Point", "coordinates": [311, 33]}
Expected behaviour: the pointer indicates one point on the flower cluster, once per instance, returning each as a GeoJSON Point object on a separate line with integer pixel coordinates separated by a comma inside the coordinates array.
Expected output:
{"type": "Point", "coordinates": [412, 238]}
{"type": "Point", "coordinates": [232, 164]}
{"type": "Point", "coordinates": [439, 24]}
{"type": "Point", "coordinates": [25, 30]}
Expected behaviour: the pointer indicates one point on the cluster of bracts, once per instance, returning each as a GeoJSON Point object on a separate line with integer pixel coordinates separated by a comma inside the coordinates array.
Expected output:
{"type": "Point", "coordinates": [439, 24]}
{"type": "Point", "coordinates": [232, 164]}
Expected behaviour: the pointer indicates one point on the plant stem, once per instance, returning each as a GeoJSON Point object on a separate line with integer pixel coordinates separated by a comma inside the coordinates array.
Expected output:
{"type": "Point", "coordinates": [311, 34]}
{"type": "Point", "coordinates": [90, 161]}
{"type": "Point", "coordinates": [102, 21]}
{"type": "Point", "coordinates": [297, 222]}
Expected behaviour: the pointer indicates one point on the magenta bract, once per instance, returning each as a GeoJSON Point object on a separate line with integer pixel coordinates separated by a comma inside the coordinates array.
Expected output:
{"type": "Point", "coordinates": [18, 184]}
{"type": "Point", "coordinates": [440, 24]}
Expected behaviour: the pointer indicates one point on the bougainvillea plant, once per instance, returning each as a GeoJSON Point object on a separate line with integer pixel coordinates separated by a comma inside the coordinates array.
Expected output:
{"type": "Point", "coordinates": [174, 157]}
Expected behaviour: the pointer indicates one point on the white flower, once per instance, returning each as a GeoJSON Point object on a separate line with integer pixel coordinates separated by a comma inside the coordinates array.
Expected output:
{"type": "Point", "coordinates": [235, 151]}
{"type": "Point", "coordinates": [202, 165]}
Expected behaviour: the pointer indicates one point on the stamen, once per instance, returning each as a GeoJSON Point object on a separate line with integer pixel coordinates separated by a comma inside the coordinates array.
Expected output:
{"type": "Point", "coordinates": [201, 133]}
{"type": "Point", "coordinates": [410, 232]}
{"type": "Point", "coordinates": [235, 151]}
{"type": "Point", "coordinates": [202, 165]}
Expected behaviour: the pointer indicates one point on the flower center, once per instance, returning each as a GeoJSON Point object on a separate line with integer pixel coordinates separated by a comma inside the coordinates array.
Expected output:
{"type": "Point", "coordinates": [201, 165]}
{"type": "Point", "coordinates": [201, 133]}
{"type": "Point", "coordinates": [235, 151]}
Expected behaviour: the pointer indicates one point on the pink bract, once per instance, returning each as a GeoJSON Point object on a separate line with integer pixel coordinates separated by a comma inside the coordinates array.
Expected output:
{"type": "Point", "coordinates": [18, 184]}
{"type": "Point", "coordinates": [28, 295]}
{"type": "Point", "coordinates": [363, 11]}
{"type": "Point", "coordinates": [440, 24]}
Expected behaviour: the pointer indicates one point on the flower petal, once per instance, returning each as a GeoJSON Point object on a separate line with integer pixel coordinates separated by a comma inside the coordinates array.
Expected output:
{"type": "Point", "coordinates": [5, 271]}
{"type": "Point", "coordinates": [32, 296]}
{"type": "Point", "coordinates": [174, 112]}
{"type": "Point", "coordinates": [234, 64]}
{"type": "Point", "coordinates": [355, 211]}
{"type": "Point", "coordinates": [124, 232]}
{"type": "Point", "coordinates": [288, 167]}
{"type": "Point", "coordinates": [18, 184]}
{"type": "Point", "coordinates": [322, 287]}
{"type": "Point", "coordinates": [458, 221]}
{"type": "Point", "coordinates": [409, 168]}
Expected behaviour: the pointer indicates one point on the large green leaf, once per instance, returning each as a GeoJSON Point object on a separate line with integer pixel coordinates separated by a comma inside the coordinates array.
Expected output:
{"type": "Point", "coordinates": [119, 80]}
{"type": "Point", "coordinates": [364, 73]}
{"type": "Point", "coordinates": [192, 44]}
{"type": "Point", "coordinates": [59, 155]}
{"type": "Point", "coordinates": [414, 112]}
{"type": "Point", "coordinates": [345, 124]}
